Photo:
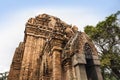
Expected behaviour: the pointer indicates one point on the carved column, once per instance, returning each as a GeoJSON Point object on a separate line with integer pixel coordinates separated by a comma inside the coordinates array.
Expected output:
{"type": "Point", "coordinates": [56, 52]}
{"type": "Point", "coordinates": [68, 70]}
{"type": "Point", "coordinates": [79, 65]}
{"type": "Point", "coordinates": [26, 58]}
{"type": "Point", "coordinates": [97, 71]}
{"type": "Point", "coordinates": [39, 44]}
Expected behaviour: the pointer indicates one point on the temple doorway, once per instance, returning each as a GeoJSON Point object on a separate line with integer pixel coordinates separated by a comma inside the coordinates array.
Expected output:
{"type": "Point", "coordinates": [89, 66]}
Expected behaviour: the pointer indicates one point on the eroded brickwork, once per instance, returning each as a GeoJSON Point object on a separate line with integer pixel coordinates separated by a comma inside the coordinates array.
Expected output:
{"type": "Point", "coordinates": [16, 63]}
{"type": "Point", "coordinates": [54, 50]}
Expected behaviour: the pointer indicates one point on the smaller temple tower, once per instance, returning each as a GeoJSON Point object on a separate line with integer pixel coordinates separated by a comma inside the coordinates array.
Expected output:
{"type": "Point", "coordinates": [54, 50]}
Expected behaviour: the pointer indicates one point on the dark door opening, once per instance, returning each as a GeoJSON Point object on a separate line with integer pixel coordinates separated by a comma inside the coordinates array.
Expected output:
{"type": "Point", "coordinates": [89, 69]}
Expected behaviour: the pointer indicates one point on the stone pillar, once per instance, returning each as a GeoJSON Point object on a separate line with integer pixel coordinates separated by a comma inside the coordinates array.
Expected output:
{"type": "Point", "coordinates": [97, 72]}
{"type": "Point", "coordinates": [24, 73]}
{"type": "Point", "coordinates": [69, 74]}
{"type": "Point", "coordinates": [73, 72]}
{"type": "Point", "coordinates": [80, 72]}
{"type": "Point", "coordinates": [56, 52]}
{"type": "Point", "coordinates": [39, 44]}
{"type": "Point", "coordinates": [79, 65]}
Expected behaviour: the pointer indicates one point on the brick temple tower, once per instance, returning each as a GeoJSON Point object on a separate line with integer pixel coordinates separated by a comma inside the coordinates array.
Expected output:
{"type": "Point", "coordinates": [54, 50]}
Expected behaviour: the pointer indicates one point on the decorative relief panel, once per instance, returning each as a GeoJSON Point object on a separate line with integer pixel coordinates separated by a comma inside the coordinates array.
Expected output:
{"type": "Point", "coordinates": [87, 51]}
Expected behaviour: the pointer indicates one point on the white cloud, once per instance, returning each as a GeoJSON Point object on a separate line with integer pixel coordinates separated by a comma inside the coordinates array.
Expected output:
{"type": "Point", "coordinates": [13, 31]}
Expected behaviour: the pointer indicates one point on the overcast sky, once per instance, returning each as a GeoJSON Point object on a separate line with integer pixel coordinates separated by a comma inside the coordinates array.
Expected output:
{"type": "Point", "coordinates": [15, 13]}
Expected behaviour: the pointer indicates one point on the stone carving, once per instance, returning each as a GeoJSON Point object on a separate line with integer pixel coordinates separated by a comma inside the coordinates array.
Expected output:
{"type": "Point", "coordinates": [88, 51]}
{"type": "Point", "coordinates": [53, 50]}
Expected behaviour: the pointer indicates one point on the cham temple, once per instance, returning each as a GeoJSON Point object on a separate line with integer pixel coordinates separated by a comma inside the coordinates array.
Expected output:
{"type": "Point", "coordinates": [54, 50]}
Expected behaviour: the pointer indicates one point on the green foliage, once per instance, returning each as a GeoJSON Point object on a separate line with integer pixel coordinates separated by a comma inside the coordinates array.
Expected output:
{"type": "Point", "coordinates": [106, 36]}
{"type": "Point", "coordinates": [3, 76]}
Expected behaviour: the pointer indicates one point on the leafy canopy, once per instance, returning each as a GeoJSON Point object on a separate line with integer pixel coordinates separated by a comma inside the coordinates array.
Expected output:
{"type": "Point", "coordinates": [106, 36]}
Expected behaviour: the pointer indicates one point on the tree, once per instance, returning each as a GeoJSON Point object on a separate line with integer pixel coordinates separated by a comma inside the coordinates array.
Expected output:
{"type": "Point", "coordinates": [106, 36]}
{"type": "Point", "coordinates": [3, 76]}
